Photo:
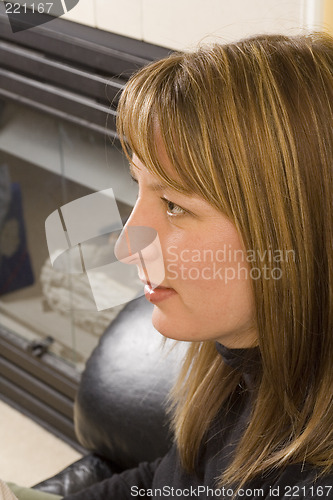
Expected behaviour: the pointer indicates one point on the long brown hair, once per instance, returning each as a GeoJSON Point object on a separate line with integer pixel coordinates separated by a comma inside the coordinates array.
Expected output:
{"type": "Point", "coordinates": [249, 127]}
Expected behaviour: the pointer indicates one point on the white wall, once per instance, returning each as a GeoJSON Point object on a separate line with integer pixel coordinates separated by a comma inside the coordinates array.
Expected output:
{"type": "Point", "coordinates": [181, 24]}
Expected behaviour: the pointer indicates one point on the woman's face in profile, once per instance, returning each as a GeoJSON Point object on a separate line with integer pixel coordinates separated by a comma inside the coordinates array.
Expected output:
{"type": "Point", "coordinates": [206, 292]}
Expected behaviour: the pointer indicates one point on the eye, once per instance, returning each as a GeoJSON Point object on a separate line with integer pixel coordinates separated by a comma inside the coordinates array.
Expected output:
{"type": "Point", "coordinates": [173, 209]}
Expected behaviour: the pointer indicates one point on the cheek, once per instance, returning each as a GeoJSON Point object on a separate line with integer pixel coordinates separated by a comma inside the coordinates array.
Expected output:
{"type": "Point", "coordinates": [211, 276]}
{"type": "Point", "coordinates": [212, 279]}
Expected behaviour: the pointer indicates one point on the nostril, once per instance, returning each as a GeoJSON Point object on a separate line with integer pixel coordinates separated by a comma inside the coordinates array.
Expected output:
{"type": "Point", "coordinates": [133, 240]}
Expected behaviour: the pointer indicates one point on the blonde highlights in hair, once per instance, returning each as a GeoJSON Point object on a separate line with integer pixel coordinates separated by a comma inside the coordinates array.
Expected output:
{"type": "Point", "coordinates": [249, 127]}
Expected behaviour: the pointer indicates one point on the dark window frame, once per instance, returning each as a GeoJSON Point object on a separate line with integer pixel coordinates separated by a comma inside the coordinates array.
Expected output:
{"type": "Point", "coordinates": [69, 70]}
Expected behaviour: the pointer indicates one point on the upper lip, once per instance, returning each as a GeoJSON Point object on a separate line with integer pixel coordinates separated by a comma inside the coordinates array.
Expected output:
{"type": "Point", "coordinates": [152, 284]}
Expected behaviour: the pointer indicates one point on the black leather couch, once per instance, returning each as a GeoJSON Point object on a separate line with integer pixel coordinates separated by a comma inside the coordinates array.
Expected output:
{"type": "Point", "coordinates": [120, 411]}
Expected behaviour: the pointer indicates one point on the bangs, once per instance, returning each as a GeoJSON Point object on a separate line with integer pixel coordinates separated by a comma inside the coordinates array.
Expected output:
{"type": "Point", "coordinates": [163, 103]}
{"type": "Point", "coordinates": [146, 116]}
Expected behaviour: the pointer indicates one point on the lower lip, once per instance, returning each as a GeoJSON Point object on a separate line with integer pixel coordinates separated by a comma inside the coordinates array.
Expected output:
{"type": "Point", "coordinates": [156, 295]}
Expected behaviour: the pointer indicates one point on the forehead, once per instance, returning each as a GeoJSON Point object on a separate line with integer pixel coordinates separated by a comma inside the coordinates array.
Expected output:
{"type": "Point", "coordinates": [137, 169]}
{"type": "Point", "coordinates": [160, 166]}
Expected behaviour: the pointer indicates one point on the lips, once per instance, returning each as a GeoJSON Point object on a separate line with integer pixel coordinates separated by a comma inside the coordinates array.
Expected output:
{"type": "Point", "coordinates": [157, 293]}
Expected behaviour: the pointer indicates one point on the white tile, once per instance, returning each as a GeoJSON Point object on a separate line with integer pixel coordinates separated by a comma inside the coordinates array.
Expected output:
{"type": "Point", "coordinates": [123, 17]}
{"type": "Point", "coordinates": [29, 453]}
{"type": "Point", "coordinates": [83, 12]}
{"type": "Point", "coordinates": [183, 24]}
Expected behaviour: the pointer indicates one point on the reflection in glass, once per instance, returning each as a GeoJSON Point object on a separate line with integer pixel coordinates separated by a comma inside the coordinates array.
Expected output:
{"type": "Point", "coordinates": [44, 165]}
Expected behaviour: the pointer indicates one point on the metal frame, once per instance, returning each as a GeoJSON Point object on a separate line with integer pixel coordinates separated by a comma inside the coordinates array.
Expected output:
{"type": "Point", "coordinates": [69, 70]}
{"type": "Point", "coordinates": [44, 387]}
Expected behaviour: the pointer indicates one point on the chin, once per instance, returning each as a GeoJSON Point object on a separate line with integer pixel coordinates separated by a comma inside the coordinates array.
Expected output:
{"type": "Point", "coordinates": [162, 324]}
{"type": "Point", "coordinates": [171, 329]}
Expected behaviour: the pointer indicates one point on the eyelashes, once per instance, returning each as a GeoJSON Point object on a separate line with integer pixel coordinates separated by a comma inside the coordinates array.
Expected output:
{"type": "Point", "coordinates": [173, 209]}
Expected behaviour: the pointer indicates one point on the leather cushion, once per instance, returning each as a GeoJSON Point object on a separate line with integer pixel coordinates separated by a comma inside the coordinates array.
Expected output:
{"type": "Point", "coordinates": [76, 477]}
{"type": "Point", "coordinates": [120, 408]}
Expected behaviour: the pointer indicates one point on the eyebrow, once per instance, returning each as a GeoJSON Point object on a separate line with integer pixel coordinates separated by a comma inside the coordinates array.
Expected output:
{"type": "Point", "coordinates": [152, 186]}
{"type": "Point", "coordinates": [159, 186]}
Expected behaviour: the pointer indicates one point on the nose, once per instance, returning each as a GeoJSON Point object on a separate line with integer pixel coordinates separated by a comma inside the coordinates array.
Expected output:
{"type": "Point", "coordinates": [136, 242]}
{"type": "Point", "coordinates": [139, 244]}
{"type": "Point", "coordinates": [136, 238]}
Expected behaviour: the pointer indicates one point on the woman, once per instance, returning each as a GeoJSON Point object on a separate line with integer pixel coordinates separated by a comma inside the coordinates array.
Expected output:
{"type": "Point", "coordinates": [232, 148]}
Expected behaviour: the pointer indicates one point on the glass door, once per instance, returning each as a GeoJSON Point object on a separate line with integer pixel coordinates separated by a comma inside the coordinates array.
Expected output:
{"type": "Point", "coordinates": [46, 164]}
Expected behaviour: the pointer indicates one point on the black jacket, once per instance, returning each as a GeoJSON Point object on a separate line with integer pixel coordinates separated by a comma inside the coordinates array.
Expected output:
{"type": "Point", "coordinates": [165, 478]}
